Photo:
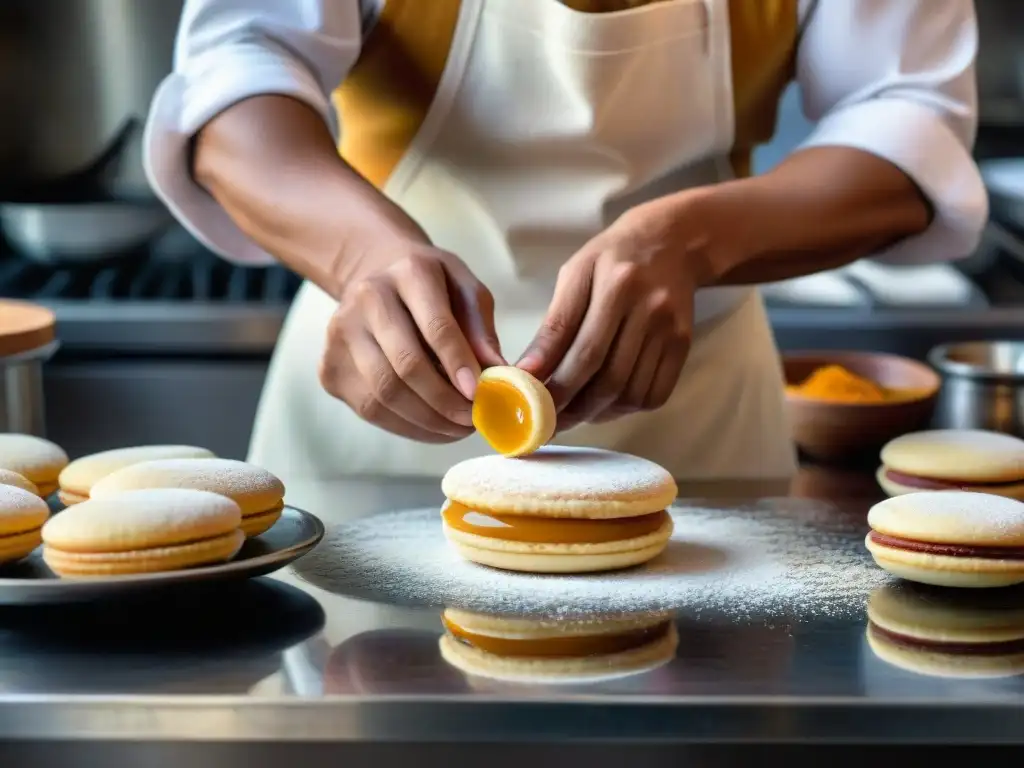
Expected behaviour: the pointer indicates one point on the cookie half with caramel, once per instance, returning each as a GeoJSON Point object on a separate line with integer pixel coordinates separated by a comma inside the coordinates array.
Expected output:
{"type": "Point", "coordinates": [949, 538]}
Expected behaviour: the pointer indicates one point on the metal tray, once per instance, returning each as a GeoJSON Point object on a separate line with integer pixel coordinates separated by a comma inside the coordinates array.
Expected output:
{"type": "Point", "coordinates": [30, 582]}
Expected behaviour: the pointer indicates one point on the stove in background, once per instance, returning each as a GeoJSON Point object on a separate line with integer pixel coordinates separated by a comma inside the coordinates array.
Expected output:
{"type": "Point", "coordinates": [168, 345]}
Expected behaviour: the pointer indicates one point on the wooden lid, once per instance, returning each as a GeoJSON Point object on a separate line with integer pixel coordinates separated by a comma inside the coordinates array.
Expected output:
{"type": "Point", "coordinates": [24, 327]}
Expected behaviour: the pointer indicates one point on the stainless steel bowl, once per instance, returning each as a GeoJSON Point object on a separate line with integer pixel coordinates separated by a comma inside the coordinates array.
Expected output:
{"type": "Point", "coordinates": [982, 386]}
{"type": "Point", "coordinates": [77, 233]}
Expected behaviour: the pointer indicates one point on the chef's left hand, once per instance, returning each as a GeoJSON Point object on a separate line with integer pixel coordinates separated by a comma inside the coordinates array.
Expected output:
{"type": "Point", "coordinates": [619, 326]}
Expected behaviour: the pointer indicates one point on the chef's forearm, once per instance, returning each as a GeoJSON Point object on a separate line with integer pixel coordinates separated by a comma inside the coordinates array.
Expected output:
{"type": "Point", "coordinates": [819, 209]}
{"type": "Point", "coordinates": [271, 163]}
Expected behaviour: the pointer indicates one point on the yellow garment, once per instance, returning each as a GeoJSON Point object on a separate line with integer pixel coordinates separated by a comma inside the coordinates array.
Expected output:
{"type": "Point", "coordinates": [386, 96]}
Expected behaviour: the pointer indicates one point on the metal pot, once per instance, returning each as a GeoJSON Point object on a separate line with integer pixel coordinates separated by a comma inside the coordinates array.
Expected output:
{"type": "Point", "coordinates": [982, 386]}
{"type": "Point", "coordinates": [22, 406]}
{"type": "Point", "coordinates": [77, 72]}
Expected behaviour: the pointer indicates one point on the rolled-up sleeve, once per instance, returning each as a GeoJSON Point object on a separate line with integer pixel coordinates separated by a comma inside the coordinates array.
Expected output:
{"type": "Point", "coordinates": [228, 51]}
{"type": "Point", "coordinates": [896, 78]}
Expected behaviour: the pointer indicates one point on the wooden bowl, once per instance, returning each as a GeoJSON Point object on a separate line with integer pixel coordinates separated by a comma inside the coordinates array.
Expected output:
{"type": "Point", "coordinates": [832, 431]}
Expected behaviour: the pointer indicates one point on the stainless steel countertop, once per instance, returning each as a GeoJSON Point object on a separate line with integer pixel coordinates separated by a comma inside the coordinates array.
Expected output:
{"type": "Point", "coordinates": [279, 660]}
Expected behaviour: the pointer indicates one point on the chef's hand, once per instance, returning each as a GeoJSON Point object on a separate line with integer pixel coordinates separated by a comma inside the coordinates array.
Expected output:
{"type": "Point", "coordinates": [619, 326]}
{"type": "Point", "coordinates": [405, 346]}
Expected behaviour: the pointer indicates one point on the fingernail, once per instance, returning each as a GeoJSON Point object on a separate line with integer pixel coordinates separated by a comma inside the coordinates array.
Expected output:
{"type": "Point", "coordinates": [526, 362]}
{"type": "Point", "coordinates": [466, 381]}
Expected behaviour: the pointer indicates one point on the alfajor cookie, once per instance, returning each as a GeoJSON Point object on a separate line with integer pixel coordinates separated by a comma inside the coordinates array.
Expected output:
{"type": "Point", "coordinates": [77, 478]}
{"type": "Point", "coordinates": [949, 538]}
{"type": "Point", "coordinates": [550, 650]}
{"type": "Point", "coordinates": [257, 492]}
{"type": "Point", "coordinates": [558, 510]}
{"type": "Point", "coordinates": [953, 459]}
{"type": "Point", "coordinates": [7, 477]}
{"type": "Point", "coordinates": [145, 531]}
{"type": "Point", "coordinates": [34, 458]}
{"type": "Point", "coordinates": [947, 634]}
{"type": "Point", "coordinates": [22, 514]}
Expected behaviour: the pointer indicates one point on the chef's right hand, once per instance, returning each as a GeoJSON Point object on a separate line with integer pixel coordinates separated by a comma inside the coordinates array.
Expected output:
{"type": "Point", "coordinates": [407, 342]}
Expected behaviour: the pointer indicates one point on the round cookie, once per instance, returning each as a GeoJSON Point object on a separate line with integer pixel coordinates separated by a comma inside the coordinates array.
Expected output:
{"type": "Point", "coordinates": [34, 458]}
{"type": "Point", "coordinates": [947, 634]}
{"type": "Point", "coordinates": [523, 649]}
{"type": "Point", "coordinates": [7, 477]}
{"type": "Point", "coordinates": [559, 510]}
{"type": "Point", "coordinates": [77, 478]}
{"type": "Point", "coordinates": [145, 531]}
{"type": "Point", "coordinates": [953, 459]}
{"type": "Point", "coordinates": [949, 538]}
{"type": "Point", "coordinates": [258, 493]}
{"type": "Point", "coordinates": [562, 481]}
{"type": "Point", "coordinates": [22, 514]}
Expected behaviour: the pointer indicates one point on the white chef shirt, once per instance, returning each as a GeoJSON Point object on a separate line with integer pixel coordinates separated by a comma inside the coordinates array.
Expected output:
{"type": "Point", "coordinates": [895, 78]}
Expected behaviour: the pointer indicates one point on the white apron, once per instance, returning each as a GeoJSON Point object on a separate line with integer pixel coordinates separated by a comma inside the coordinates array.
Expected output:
{"type": "Point", "coordinates": [548, 123]}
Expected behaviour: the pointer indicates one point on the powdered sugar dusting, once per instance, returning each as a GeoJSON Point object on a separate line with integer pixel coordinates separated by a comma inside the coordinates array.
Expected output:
{"type": "Point", "coordinates": [167, 514]}
{"type": "Point", "coordinates": [752, 561]}
{"type": "Point", "coordinates": [83, 472]}
{"type": "Point", "coordinates": [229, 477]}
{"type": "Point", "coordinates": [975, 515]}
{"type": "Point", "coordinates": [17, 503]}
{"type": "Point", "coordinates": [975, 441]}
{"type": "Point", "coordinates": [7, 477]}
{"type": "Point", "coordinates": [30, 456]}
{"type": "Point", "coordinates": [558, 471]}
{"type": "Point", "coordinates": [963, 454]}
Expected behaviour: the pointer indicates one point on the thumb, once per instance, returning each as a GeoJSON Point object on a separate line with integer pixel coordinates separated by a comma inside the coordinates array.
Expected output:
{"type": "Point", "coordinates": [560, 326]}
{"type": "Point", "coordinates": [473, 307]}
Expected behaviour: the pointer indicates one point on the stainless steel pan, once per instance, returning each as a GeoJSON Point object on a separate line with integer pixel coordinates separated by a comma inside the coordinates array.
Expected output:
{"type": "Point", "coordinates": [81, 233]}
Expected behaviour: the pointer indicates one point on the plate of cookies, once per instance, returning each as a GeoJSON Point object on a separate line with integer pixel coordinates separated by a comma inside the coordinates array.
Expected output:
{"type": "Point", "coordinates": [137, 518]}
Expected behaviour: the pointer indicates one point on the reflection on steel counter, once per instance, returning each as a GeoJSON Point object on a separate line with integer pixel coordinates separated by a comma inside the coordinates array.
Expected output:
{"type": "Point", "coordinates": [702, 658]}
{"type": "Point", "coordinates": [200, 640]}
{"type": "Point", "coordinates": [557, 651]}
{"type": "Point", "coordinates": [932, 644]}
{"type": "Point", "coordinates": [848, 487]}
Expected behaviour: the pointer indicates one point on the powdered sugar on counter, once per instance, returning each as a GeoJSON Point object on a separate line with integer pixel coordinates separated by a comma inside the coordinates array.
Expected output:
{"type": "Point", "coordinates": [783, 558]}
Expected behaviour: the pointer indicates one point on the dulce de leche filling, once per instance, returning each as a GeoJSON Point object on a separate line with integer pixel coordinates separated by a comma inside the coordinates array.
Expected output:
{"type": "Point", "coordinates": [949, 550]}
{"type": "Point", "coordinates": [502, 414]}
{"type": "Point", "coordinates": [559, 647]}
{"type": "Point", "coordinates": [549, 530]}
{"type": "Point", "coordinates": [935, 484]}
